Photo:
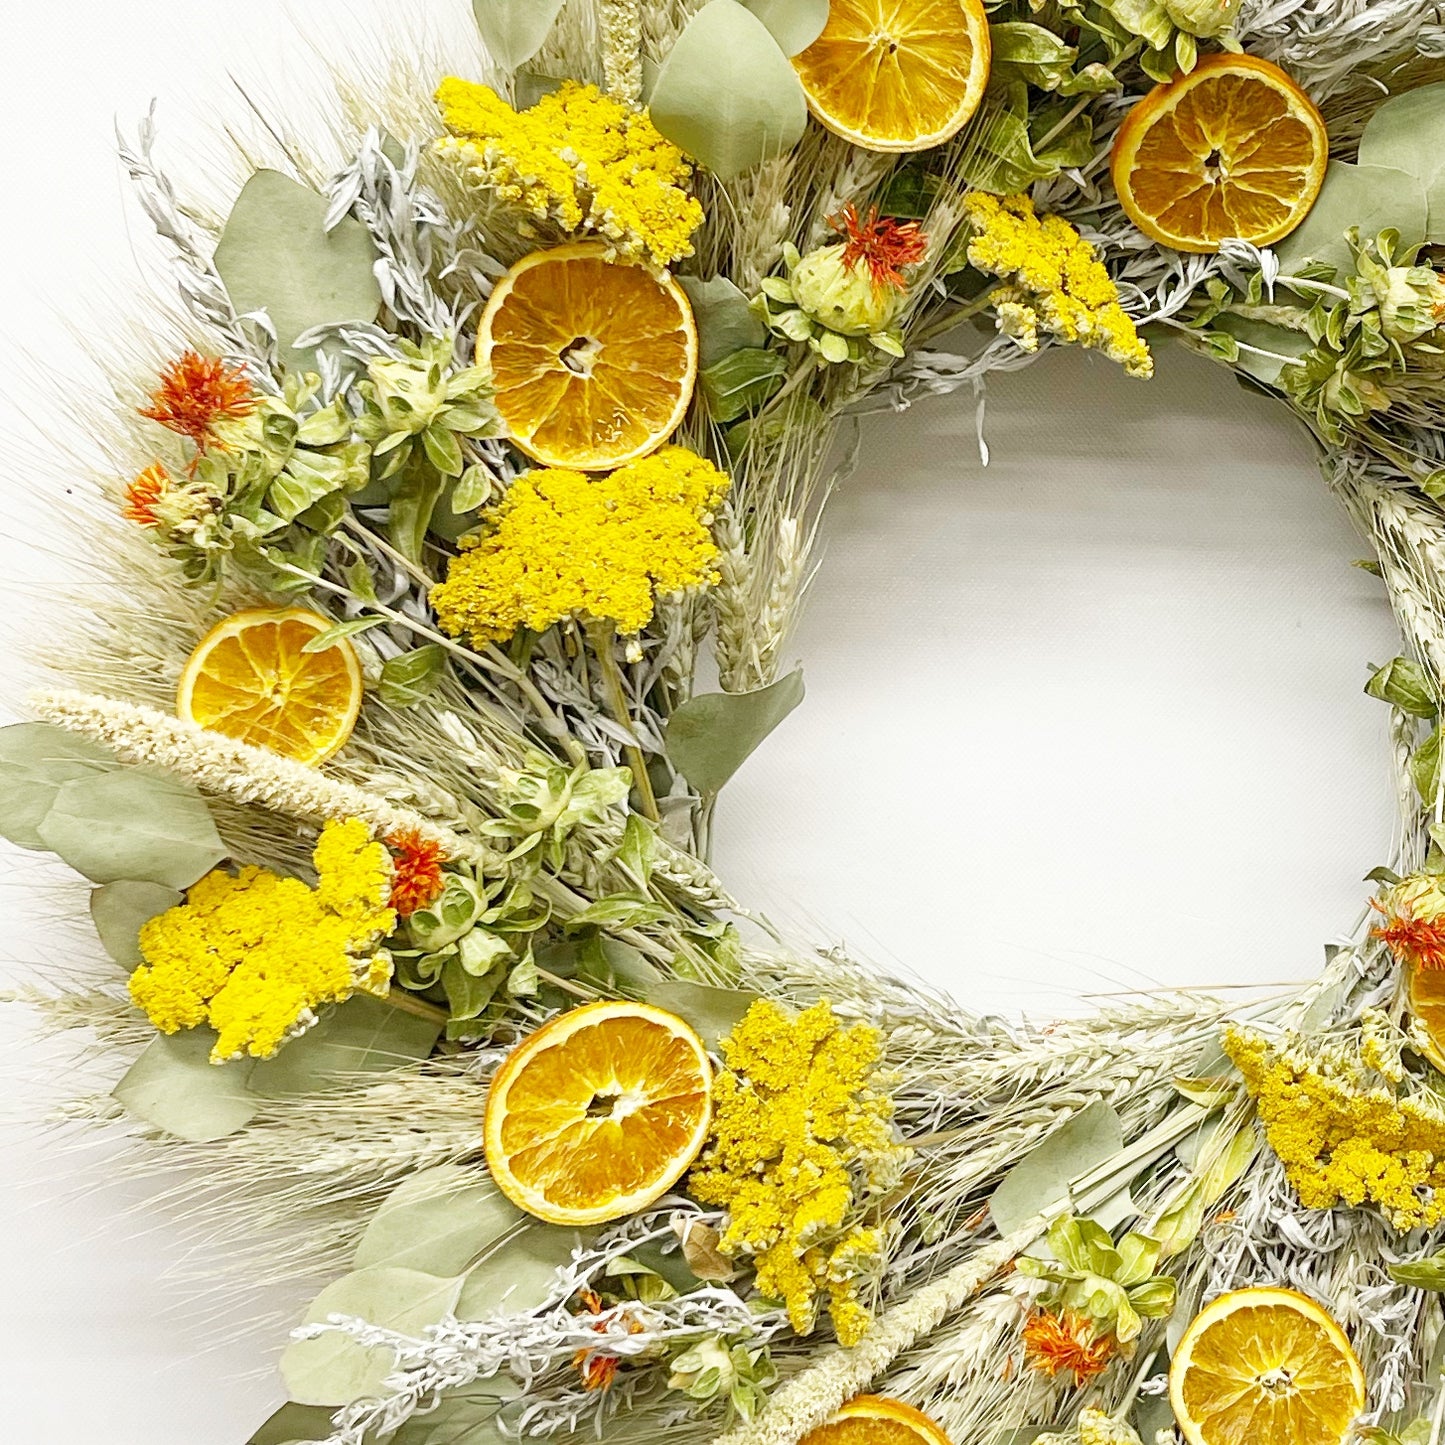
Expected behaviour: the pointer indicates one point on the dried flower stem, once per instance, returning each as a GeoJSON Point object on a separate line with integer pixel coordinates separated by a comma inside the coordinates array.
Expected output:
{"type": "Point", "coordinates": [603, 637]}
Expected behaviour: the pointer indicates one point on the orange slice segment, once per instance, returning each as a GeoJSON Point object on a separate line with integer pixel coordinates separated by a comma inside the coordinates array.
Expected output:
{"type": "Point", "coordinates": [1234, 148]}
{"type": "Point", "coordinates": [250, 679]}
{"type": "Point", "coordinates": [1425, 991]}
{"type": "Point", "coordinates": [877, 1420]}
{"type": "Point", "coordinates": [1265, 1365]}
{"type": "Point", "coordinates": [598, 1113]}
{"type": "Point", "coordinates": [897, 75]}
{"type": "Point", "coordinates": [593, 360]}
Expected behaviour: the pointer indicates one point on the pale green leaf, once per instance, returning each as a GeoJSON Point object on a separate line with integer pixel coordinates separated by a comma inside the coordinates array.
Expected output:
{"type": "Point", "coordinates": [438, 1221]}
{"type": "Point", "coordinates": [341, 630]}
{"type": "Point", "coordinates": [133, 825]}
{"type": "Point", "coordinates": [174, 1086]}
{"type": "Point", "coordinates": [334, 1369]}
{"type": "Point", "coordinates": [275, 255]}
{"type": "Point", "coordinates": [725, 321]}
{"type": "Point", "coordinates": [1407, 133]}
{"type": "Point", "coordinates": [413, 676]}
{"type": "Point", "coordinates": [1368, 196]}
{"type": "Point", "coordinates": [119, 909]}
{"type": "Point", "coordinates": [726, 93]}
{"type": "Point", "coordinates": [794, 24]}
{"type": "Point", "coordinates": [712, 1012]}
{"type": "Point", "coordinates": [1042, 1179]}
{"type": "Point", "coordinates": [364, 1035]}
{"type": "Point", "coordinates": [36, 761]}
{"type": "Point", "coordinates": [462, 1419]}
{"type": "Point", "coordinates": [710, 736]}
{"type": "Point", "coordinates": [522, 1274]}
{"type": "Point", "coordinates": [410, 512]}
{"type": "Point", "coordinates": [513, 30]}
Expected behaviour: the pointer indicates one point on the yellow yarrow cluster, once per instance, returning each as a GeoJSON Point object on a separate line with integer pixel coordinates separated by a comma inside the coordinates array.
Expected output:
{"type": "Point", "coordinates": [563, 544]}
{"type": "Point", "coordinates": [579, 158]}
{"type": "Point", "coordinates": [254, 954]}
{"type": "Point", "coordinates": [1341, 1137]}
{"type": "Point", "coordinates": [1054, 280]}
{"type": "Point", "coordinates": [801, 1135]}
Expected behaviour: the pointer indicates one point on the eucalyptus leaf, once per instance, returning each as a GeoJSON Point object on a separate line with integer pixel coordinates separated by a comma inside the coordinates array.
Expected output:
{"type": "Point", "coordinates": [726, 93]}
{"type": "Point", "coordinates": [412, 676]}
{"type": "Point", "coordinates": [119, 909]}
{"type": "Point", "coordinates": [725, 321]}
{"type": "Point", "coordinates": [133, 825]}
{"type": "Point", "coordinates": [333, 1369]}
{"type": "Point", "coordinates": [1267, 349]}
{"type": "Point", "coordinates": [438, 1221]}
{"type": "Point", "coordinates": [522, 1274]}
{"type": "Point", "coordinates": [712, 1012]}
{"type": "Point", "coordinates": [294, 1425]}
{"type": "Point", "coordinates": [1043, 1178]}
{"type": "Point", "coordinates": [741, 382]}
{"type": "Point", "coordinates": [794, 24]}
{"type": "Point", "coordinates": [276, 255]}
{"type": "Point", "coordinates": [513, 30]}
{"type": "Point", "coordinates": [364, 1035]}
{"type": "Point", "coordinates": [1407, 133]}
{"type": "Point", "coordinates": [710, 736]}
{"type": "Point", "coordinates": [469, 1419]}
{"type": "Point", "coordinates": [1372, 197]}
{"type": "Point", "coordinates": [36, 761]}
{"type": "Point", "coordinates": [341, 630]}
{"type": "Point", "coordinates": [174, 1086]}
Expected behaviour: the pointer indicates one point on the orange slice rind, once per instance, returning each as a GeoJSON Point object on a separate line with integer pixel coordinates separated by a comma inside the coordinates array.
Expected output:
{"type": "Point", "coordinates": [1265, 1364]}
{"type": "Point", "coordinates": [593, 359]}
{"type": "Point", "coordinates": [877, 1420]}
{"type": "Point", "coordinates": [897, 75]}
{"type": "Point", "coordinates": [251, 679]}
{"type": "Point", "coordinates": [598, 1113]}
{"type": "Point", "coordinates": [1233, 149]}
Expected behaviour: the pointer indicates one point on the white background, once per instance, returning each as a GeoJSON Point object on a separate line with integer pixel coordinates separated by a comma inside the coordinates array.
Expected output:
{"type": "Point", "coordinates": [1087, 720]}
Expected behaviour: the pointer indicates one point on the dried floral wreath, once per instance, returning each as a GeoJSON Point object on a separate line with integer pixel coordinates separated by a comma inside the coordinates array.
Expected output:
{"type": "Point", "coordinates": [489, 412]}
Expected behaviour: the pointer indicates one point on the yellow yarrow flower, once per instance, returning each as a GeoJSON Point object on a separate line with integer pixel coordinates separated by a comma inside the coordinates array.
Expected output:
{"type": "Point", "coordinates": [254, 954]}
{"type": "Point", "coordinates": [581, 159]}
{"type": "Point", "coordinates": [1053, 280]}
{"type": "Point", "coordinates": [801, 1136]}
{"type": "Point", "coordinates": [1343, 1138]}
{"type": "Point", "coordinates": [563, 544]}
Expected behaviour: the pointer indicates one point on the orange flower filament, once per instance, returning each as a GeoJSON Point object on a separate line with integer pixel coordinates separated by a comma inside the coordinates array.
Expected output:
{"type": "Point", "coordinates": [1417, 942]}
{"type": "Point", "coordinates": [884, 245]}
{"type": "Point", "coordinates": [598, 1370]}
{"type": "Point", "coordinates": [1054, 1343]}
{"type": "Point", "coordinates": [196, 392]}
{"type": "Point", "coordinates": [417, 877]}
{"type": "Point", "coordinates": [144, 494]}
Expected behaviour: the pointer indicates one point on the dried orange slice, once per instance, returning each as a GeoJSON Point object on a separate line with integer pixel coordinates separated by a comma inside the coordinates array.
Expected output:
{"type": "Point", "coordinates": [1265, 1365]}
{"type": "Point", "coordinates": [877, 1420]}
{"type": "Point", "coordinates": [1234, 148]}
{"type": "Point", "coordinates": [593, 360]}
{"type": "Point", "coordinates": [598, 1113]}
{"type": "Point", "coordinates": [897, 75]}
{"type": "Point", "coordinates": [1425, 992]}
{"type": "Point", "coordinates": [250, 679]}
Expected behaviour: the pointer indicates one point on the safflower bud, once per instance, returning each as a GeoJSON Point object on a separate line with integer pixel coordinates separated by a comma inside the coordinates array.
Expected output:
{"type": "Point", "coordinates": [1203, 18]}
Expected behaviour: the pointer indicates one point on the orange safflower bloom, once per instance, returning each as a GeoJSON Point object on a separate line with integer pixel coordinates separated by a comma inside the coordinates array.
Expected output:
{"type": "Point", "coordinates": [884, 245]}
{"type": "Point", "coordinates": [417, 877]}
{"type": "Point", "coordinates": [1417, 942]}
{"type": "Point", "coordinates": [196, 392]}
{"type": "Point", "coordinates": [598, 1371]}
{"type": "Point", "coordinates": [1058, 1342]}
{"type": "Point", "coordinates": [143, 496]}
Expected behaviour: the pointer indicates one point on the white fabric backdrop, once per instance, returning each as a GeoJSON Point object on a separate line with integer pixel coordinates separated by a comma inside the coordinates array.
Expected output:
{"type": "Point", "coordinates": [1087, 720]}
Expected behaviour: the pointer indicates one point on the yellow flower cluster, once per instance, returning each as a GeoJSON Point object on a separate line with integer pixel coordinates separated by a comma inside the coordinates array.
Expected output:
{"type": "Point", "coordinates": [801, 1134]}
{"type": "Point", "coordinates": [1343, 1138]}
{"type": "Point", "coordinates": [1053, 280]}
{"type": "Point", "coordinates": [582, 159]}
{"type": "Point", "coordinates": [563, 544]}
{"type": "Point", "coordinates": [254, 954]}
